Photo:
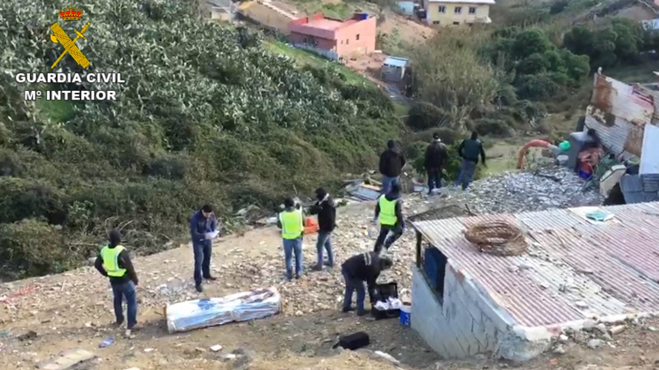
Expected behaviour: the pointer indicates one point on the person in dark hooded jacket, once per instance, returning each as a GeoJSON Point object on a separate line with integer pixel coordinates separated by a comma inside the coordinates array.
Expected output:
{"type": "Point", "coordinates": [364, 267]}
{"type": "Point", "coordinates": [326, 211]}
{"type": "Point", "coordinates": [389, 211]}
{"type": "Point", "coordinates": [435, 157]}
{"type": "Point", "coordinates": [391, 166]}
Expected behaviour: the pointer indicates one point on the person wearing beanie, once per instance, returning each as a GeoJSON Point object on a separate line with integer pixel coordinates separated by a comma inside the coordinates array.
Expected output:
{"type": "Point", "coordinates": [391, 166]}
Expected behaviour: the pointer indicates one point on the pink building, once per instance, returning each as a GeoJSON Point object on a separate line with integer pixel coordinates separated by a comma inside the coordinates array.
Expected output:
{"type": "Point", "coordinates": [334, 38]}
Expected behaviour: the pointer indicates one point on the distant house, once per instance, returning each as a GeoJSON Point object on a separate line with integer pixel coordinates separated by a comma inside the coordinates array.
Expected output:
{"type": "Point", "coordinates": [393, 69]}
{"type": "Point", "coordinates": [457, 12]}
{"type": "Point", "coordinates": [651, 25]}
{"type": "Point", "coordinates": [408, 7]}
{"type": "Point", "coordinates": [334, 39]}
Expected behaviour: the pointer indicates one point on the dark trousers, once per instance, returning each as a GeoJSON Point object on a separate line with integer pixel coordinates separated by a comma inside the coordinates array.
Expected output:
{"type": "Point", "coordinates": [352, 285]}
{"type": "Point", "coordinates": [125, 290]}
{"type": "Point", "coordinates": [202, 260]}
{"type": "Point", "coordinates": [434, 179]}
{"type": "Point", "coordinates": [382, 238]}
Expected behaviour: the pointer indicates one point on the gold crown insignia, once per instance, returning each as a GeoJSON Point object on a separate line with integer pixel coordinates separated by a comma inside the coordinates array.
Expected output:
{"type": "Point", "coordinates": [70, 14]}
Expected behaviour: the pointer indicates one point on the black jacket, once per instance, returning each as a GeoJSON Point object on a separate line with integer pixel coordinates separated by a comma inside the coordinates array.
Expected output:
{"type": "Point", "coordinates": [364, 267]}
{"type": "Point", "coordinates": [400, 222]}
{"type": "Point", "coordinates": [124, 263]}
{"type": "Point", "coordinates": [436, 155]}
{"type": "Point", "coordinates": [326, 211]}
{"type": "Point", "coordinates": [391, 163]}
{"type": "Point", "coordinates": [470, 149]}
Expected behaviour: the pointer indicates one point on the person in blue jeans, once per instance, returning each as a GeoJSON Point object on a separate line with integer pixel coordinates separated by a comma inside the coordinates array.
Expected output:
{"type": "Point", "coordinates": [433, 161]}
{"type": "Point", "coordinates": [202, 224]}
{"type": "Point", "coordinates": [291, 222]}
{"type": "Point", "coordinates": [391, 166]}
{"type": "Point", "coordinates": [114, 262]}
{"type": "Point", "coordinates": [469, 150]}
{"type": "Point", "coordinates": [326, 211]}
{"type": "Point", "coordinates": [363, 267]}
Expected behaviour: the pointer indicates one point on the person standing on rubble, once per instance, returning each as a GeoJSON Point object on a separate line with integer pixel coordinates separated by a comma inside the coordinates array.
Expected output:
{"type": "Point", "coordinates": [114, 262]}
{"type": "Point", "coordinates": [203, 225]}
{"type": "Point", "coordinates": [391, 166]}
{"type": "Point", "coordinates": [435, 157]}
{"type": "Point", "coordinates": [364, 267]}
{"type": "Point", "coordinates": [469, 150]}
{"type": "Point", "coordinates": [389, 211]}
{"type": "Point", "coordinates": [326, 211]}
{"type": "Point", "coordinates": [291, 222]}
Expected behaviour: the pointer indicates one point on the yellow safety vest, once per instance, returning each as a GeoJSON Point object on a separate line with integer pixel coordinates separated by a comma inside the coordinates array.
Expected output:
{"type": "Point", "coordinates": [387, 211]}
{"type": "Point", "coordinates": [110, 258]}
{"type": "Point", "coordinates": [292, 224]}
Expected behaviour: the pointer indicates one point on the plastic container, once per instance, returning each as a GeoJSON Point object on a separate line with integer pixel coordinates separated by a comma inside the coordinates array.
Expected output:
{"type": "Point", "coordinates": [577, 141]}
{"type": "Point", "coordinates": [406, 315]}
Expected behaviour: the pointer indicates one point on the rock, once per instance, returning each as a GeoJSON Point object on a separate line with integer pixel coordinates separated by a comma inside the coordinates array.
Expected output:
{"type": "Point", "coordinates": [595, 343]}
{"type": "Point", "coordinates": [387, 357]}
{"type": "Point", "coordinates": [589, 324]}
{"type": "Point", "coordinates": [601, 328]}
{"type": "Point", "coordinates": [559, 350]}
{"type": "Point", "coordinates": [563, 338]}
{"type": "Point", "coordinates": [216, 348]}
{"type": "Point", "coordinates": [67, 360]}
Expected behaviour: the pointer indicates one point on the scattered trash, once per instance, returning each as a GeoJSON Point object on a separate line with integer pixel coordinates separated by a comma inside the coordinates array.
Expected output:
{"type": "Point", "coordinates": [106, 343]}
{"type": "Point", "coordinates": [216, 348]}
{"type": "Point", "coordinates": [387, 357]}
{"type": "Point", "coordinates": [4, 333]}
{"type": "Point", "coordinates": [147, 350]}
{"type": "Point", "coordinates": [361, 191]}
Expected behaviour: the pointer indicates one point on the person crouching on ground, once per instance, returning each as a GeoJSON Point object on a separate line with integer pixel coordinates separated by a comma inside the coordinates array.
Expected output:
{"type": "Point", "coordinates": [326, 211]}
{"type": "Point", "coordinates": [364, 267]}
{"type": "Point", "coordinates": [291, 222]}
{"type": "Point", "coordinates": [114, 262]}
{"type": "Point", "coordinates": [389, 211]}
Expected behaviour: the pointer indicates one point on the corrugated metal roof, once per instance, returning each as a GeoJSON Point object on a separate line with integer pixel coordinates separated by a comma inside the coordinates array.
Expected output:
{"type": "Point", "coordinates": [640, 188]}
{"type": "Point", "coordinates": [395, 62]}
{"type": "Point", "coordinates": [573, 270]}
{"type": "Point", "coordinates": [463, 1]}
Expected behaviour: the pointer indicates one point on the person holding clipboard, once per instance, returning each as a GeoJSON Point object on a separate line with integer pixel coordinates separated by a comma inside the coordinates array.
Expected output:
{"type": "Point", "coordinates": [203, 229]}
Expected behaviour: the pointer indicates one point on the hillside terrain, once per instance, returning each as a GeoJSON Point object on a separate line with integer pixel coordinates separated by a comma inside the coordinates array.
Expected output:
{"type": "Point", "coordinates": [42, 317]}
{"type": "Point", "coordinates": [207, 114]}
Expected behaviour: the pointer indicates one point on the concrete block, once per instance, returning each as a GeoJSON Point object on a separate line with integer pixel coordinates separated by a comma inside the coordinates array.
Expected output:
{"type": "Point", "coordinates": [67, 360]}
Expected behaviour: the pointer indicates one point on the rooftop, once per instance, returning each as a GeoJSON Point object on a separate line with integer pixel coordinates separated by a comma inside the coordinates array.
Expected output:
{"type": "Point", "coordinates": [574, 269]}
{"type": "Point", "coordinates": [492, 2]}
{"type": "Point", "coordinates": [395, 62]}
{"type": "Point", "coordinates": [318, 25]}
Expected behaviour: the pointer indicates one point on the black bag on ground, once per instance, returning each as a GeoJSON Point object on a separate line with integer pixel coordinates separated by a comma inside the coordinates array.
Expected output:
{"type": "Point", "coordinates": [354, 341]}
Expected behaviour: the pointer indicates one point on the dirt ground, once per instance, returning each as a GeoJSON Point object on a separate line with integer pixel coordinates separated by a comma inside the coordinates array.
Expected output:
{"type": "Point", "coordinates": [73, 310]}
{"type": "Point", "coordinates": [636, 13]}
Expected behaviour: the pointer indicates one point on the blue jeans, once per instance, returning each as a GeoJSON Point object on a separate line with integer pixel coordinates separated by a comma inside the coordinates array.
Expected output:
{"type": "Point", "coordinates": [387, 182]}
{"type": "Point", "coordinates": [353, 284]}
{"type": "Point", "coordinates": [293, 246]}
{"type": "Point", "coordinates": [434, 180]}
{"type": "Point", "coordinates": [121, 291]}
{"type": "Point", "coordinates": [467, 171]}
{"type": "Point", "coordinates": [202, 260]}
{"type": "Point", "coordinates": [324, 242]}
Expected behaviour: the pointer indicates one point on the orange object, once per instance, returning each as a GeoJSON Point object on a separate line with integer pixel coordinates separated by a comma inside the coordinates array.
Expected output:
{"type": "Point", "coordinates": [531, 144]}
{"type": "Point", "coordinates": [310, 225]}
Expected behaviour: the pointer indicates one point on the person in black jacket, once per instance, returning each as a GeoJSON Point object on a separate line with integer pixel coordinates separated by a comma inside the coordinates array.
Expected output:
{"type": "Point", "coordinates": [391, 165]}
{"type": "Point", "coordinates": [364, 267]}
{"type": "Point", "coordinates": [469, 150]}
{"type": "Point", "coordinates": [326, 211]}
{"type": "Point", "coordinates": [114, 262]}
{"type": "Point", "coordinates": [436, 155]}
{"type": "Point", "coordinates": [389, 211]}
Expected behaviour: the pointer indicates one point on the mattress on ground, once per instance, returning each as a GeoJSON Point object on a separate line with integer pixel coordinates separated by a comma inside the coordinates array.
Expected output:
{"type": "Point", "coordinates": [202, 313]}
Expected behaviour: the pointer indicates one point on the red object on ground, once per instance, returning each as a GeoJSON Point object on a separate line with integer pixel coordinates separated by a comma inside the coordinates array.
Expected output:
{"type": "Point", "coordinates": [531, 144]}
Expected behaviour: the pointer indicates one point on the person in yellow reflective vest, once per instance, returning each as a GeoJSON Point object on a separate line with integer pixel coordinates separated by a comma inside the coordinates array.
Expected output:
{"type": "Point", "coordinates": [291, 222]}
{"type": "Point", "coordinates": [389, 212]}
{"type": "Point", "coordinates": [114, 262]}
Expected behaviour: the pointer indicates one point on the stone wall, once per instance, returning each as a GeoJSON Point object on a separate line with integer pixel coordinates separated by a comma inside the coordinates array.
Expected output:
{"type": "Point", "coordinates": [465, 324]}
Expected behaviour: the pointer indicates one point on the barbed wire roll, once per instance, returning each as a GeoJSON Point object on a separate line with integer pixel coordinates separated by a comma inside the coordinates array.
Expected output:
{"type": "Point", "coordinates": [497, 237]}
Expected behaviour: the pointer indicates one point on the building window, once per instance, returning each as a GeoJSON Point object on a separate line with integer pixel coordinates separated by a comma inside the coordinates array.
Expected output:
{"type": "Point", "coordinates": [347, 41]}
{"type": "Point", "coordinates": [458, 10]}
{"type": "Point", "coordinates": [357, 37]}
{"type": "Point", "coordinates": [341, 42]}
{"type": "Point", "coordinates": [432, 262]}
{"type": "Point", "coordinates": [456, 23]}
{"type": "Point", "coordinates": [442, 9]}
{"type": "Point", "coordinates": [306, 40]}
{"type": "Point", "coordinates": [472, 10]}
{"type": "Point", "coordinates": [435, 22]}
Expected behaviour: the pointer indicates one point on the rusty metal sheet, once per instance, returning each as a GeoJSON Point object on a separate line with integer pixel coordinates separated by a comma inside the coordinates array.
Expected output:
{"type": "Point", "coordinates": [634, 142]}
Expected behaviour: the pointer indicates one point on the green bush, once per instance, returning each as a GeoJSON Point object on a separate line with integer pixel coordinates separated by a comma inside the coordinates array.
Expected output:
{"type": "Point", "coordinates": [424, 116]}
{"type": "Point", "coordinates": [222, 120]}
{"type": "Point", "coordinates": [493, 127]}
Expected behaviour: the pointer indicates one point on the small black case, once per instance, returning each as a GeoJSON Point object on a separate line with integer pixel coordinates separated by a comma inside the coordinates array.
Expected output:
{"type": "Point", "coordinates": [354, 341]}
